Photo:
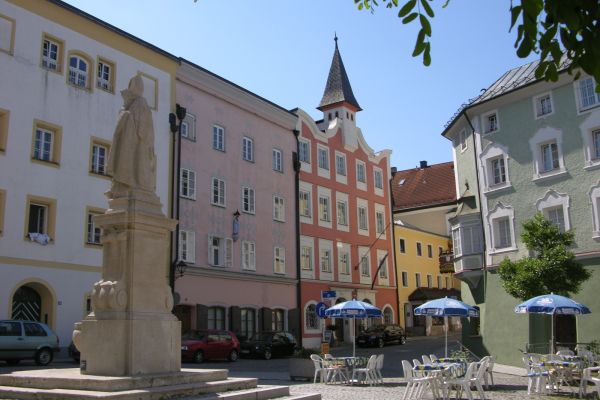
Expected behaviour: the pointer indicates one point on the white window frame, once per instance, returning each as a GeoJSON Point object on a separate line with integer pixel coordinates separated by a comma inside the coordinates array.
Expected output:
{"type": "Point", "coordinates": [540, 105]}
{"type": "Point", "coordinates": [364, 265]}
{"type": "Point", "coordinates": [277, 160]}
{"type": "Point", "coordinates": [323, 165]}
{"type": "Point", "coordinates": [99, 161]}
{"type": "Point", "coordinates": [248, 200]}
{"type": "Point", "coordinates": [495, 217]}
{"type": "Point", "coordinates": [7, 27]}
{"type": "Point", "coordinates": [384, 274]}
{"type": "Point", "coordinates": [380, 210]}
{"type": "Point", "coordinates": [325, 209]}
{"type": "Point", "coordinates": [248, 255]}
{"type": "Point", "coordinates": [545, 136]}
{"type": "Point", "coordinates": [342, 213]}
{"type": "Point", "coordinates": [462, 140]}
{"type": "Point", "coordinates": [248, 149]}
{"type": "Point", "coordinates": [104, 75]}
{"type": "Point", "coordinates": [378, 181]}
{"type": "Point", "coordinates": [594, 195]}
{"type": "Point", "coordinates": [467, 238]}
{"type": "Point", "coordinates": [591, 149]}
{"type": "Point", "coordinates": [187, 246]}
{"type": "Point", "coordinates": [224, 248]}
{"type": "Point", "coordinates": [40, 152]}
{"type": "Point", "coordinates": [218, 198]}
{"type": "Point", "coordinates": [278, 208]}
{"type": "Point", "coordinates": [187, 184]}
{"type": "Point", "coordinates": [76, 75]}
{"type": "Point", "coordinates": [93, 233]}
{"type": "Point", "coordinates": [491, 153]}
{"type": "Point", "coordinates": [341, 170]}
{"type": "Point", "coordinates": [188, 127]}
{"type": "Point", "coordinates": [279, 260]}
{"type": "Point", "coordinates": [344, 262]}
{"type": "Point", "coordinates": [488, 126]}
{"type": "Point", "coordinates": [361, 184]}
{"type": "Point", "coordinates": [590, 86]}
{"type": "Point", "coordinates": [218, 138]}
{"type": "Point", "coordinates": [553, 199]}
{"type": "Point", "coordinates": [305, 203]}
{"type": "Point", "coordinates": [362, 215]}
{"type": "Point", "coordinates": [304, 154]}
{"type": "Point", "coordinates": [325, 260]}
{"type": "Point", "coordinates": [307, 261]}
{"type": "Point", "coordinates": [50, 62]}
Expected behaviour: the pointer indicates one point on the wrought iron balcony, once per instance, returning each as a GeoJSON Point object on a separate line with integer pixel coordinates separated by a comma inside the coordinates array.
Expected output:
{"type": "Point", "coordinates": [447, 262]}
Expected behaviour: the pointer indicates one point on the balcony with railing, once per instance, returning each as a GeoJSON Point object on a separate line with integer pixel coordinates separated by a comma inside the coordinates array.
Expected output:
{"type": "Point", "coordinates": [447, 262]}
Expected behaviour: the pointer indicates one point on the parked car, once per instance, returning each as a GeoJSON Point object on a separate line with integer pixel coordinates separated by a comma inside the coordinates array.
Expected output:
{"type": "Point", "coordinates": [27, 340]}
{"type": "Point", "coordinates": [209, 344]}
{"type": "Point", "coordinates": [269, 344]}
{"type": "Point", "coordinates": [380, 335]}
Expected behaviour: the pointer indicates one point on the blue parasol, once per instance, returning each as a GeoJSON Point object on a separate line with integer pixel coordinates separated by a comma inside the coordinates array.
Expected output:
{"type": "Point", "coordinates": [353, 309]}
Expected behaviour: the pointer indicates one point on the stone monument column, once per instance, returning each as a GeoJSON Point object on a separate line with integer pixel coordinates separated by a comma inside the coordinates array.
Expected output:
{"type": "Point", "coordinates": [131, 330]}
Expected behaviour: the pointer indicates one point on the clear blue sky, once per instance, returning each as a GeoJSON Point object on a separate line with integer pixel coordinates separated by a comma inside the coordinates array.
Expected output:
{"type": "Point", "coordinates": [282, 50]}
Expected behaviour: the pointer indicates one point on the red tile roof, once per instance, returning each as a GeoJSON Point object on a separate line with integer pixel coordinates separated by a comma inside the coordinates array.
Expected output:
{"type": "Point", "coordinates": [421, 187]}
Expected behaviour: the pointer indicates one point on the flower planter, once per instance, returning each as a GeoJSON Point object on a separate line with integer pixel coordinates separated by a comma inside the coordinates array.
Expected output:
{"type": "Point", "coordinates": [301, 368]}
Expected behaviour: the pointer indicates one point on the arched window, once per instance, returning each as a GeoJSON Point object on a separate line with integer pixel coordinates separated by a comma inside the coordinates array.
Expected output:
{"type": "Point", "coordinates": [311, 319]}
{"type": "Point", "coordinates": [388, 315]}
{"type": "Point", "coordinates": [216, 318]}
{"type": "Point", "coordinates": [79, 71]}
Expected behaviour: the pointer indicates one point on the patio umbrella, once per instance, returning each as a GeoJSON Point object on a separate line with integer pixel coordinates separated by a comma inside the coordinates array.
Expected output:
{"type": "Point", "coordinates": [552, 304]}
{"type": "Point", "coordinates": [446, 307]}
{"type": "Point", "coordinates": [353, 309]}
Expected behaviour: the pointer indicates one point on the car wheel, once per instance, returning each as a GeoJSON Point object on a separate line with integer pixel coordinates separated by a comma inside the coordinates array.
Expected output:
{"type": "Point", "coordinates": [267, 355]}
{"type": "Point", "coordinates": [199, 357]}
{"type": "Point", "coordinates": [12, 362]}
{"type": "Point", "coordinates": [380, 343]}
{"type": "Point", "coordinates": [233, 356]}
{"type": "Point", "coordinates": [43, 357]}
{"type": "Point", "coordinates": [402, 340]}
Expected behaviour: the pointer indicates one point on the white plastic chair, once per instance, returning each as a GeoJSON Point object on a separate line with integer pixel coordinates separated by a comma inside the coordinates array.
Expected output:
{"type": "Point", "coordinates": [414, 384]}
{"type": "Point", "coordinates": [587, 377]}
{"type": "Point", "coordinates": [433, 357]}
{"type": "Point", "coordinates": [319, 368]}
{"type": "Point", "coordinates": [537, 377]}
{"type": "Point", "coordinates": [378, 368]}
{"type": "Point", "coordinates": [478, 377]}
{"type": "Point", "coordinates": [462, 384]}
{"type": "Point", "coordinates": [368, 372]}
{"type": "Point", "coordinates": [489, 372]}
{"type": "Point", "coordinates": [416, 362]}
{"type": "Point", "coordinates": [565, 352]}
{"type": "Point", "coordinates": [426, 359]}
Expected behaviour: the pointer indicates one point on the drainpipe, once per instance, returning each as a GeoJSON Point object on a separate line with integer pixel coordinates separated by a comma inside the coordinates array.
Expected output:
{"type": "Point", "coordinates": [297, 165]}
{"type": "Point", "coordinates": [394, 254]}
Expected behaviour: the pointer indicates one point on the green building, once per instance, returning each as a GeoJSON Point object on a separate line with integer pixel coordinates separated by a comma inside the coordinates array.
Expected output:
{"type": "Point", "coordinates": [525, 145]}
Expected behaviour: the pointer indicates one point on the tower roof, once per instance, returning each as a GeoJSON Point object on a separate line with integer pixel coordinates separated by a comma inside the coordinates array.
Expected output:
{"type": "Point", "coordinates": [338, 89]}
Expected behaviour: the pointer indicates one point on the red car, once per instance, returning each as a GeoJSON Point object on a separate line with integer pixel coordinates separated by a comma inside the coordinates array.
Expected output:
{"type": "Point", "coordinates": [210, 344]}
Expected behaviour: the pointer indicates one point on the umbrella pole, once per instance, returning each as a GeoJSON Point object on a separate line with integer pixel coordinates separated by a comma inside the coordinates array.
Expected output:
{"type": "Point", "coordinates": [446, 341]}
{"type": "Point", "coordinates": [552, 334]}
{"type": "Point", "coordinates": [353, 337]}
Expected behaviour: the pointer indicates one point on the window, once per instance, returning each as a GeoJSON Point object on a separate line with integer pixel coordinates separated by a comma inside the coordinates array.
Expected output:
{"type": "Point", "coordinates": [324, 213]}
{"type": "Point", "coordinates": [594, 194]}
{"type": "Point", "coordinates": [4, 116]}
{"type": "Point", "coordinates": [340, 164]}
{"type": "Point", "coordinates": [467, 239]}
{"type": "Point", "coordinates": [404, 279]}
{"type": "Point", "coordinates": [187, 187]}
{"type": "Point", "coordinates": [93, 232]}
{"type": "Point", "coordinates": [462, 140]}
{"type": "Point", "coordinates": [277, 321]}
{"type": "Point", "coordinates": [247, 149]}
{"type": "Point", "coordinates": [216, 318]}
{"type": "Point", "coordinates": [188, 127]}
{"type": "Point", "coordinates": [343, 262]}
{"type": "Point", "coordinates": [380, 222]}
{"type": "Point", "coordinates": [52, 53]}
{"type": "Point", "coordinates": [447, 279]}
{"type": "Point", "coordinates": [556, 216]}
{"type": "Point", "coordinates": [277, 160]}
{"type": "Point", "coordinates": [549, 153]}
{"type": "Point", "coordinates": [418, 279]}
{"type": "Point", "coordinates": [502, 235]}
{"type": "Point", "coordinates": [543, 105]}
{"type": "Point", "coordinates": [46, 143]}
{"type": "Point", "coordinates": [596, 144]}
{"type": "Point", "coordinates": [218, 138]}
{"type": "Point", "coordinates": [279, 260]}
{"type": "Point", "coordinates": [440, 251]}
{"type": "Point", "coordinates": [187, 246]}
{"type": "Point", "coordinates": [220, 251]}
{"type": "Point", "coordinates": [429, 251]}
{"type": "Point", "coordinates": [361, 175]}
{"type": "Point", "coordinates": [304, 151]}
{"type": "Point", "coordinates": [79, 71]}
{"type": "Point", "coordinates": [305, 204]}
{"type": "Point", "coordinates": [7, 34]}
{"type": "Point", "coordinates": [248, 318]}
{"type": "Point", "coordinates": [278, 209]}
{"type": "Point", "coordinates": [498, 171]}
{"type": "Point", "coordinates": [306, 258]}
{"type": "Point", "coordinates": [365, 265]}
{"type": "Point", "coordinates": [587, 93]}
{"type": "Point", "coordinates": [105, 76]}
{"type": "Point", "coordinates": [500, 220]}
{"type": "Point", "coordinates": [363, 223]}
{"type": "Point", "coordinates": [402, 244]}
{"type": "Point", "coordinates": [248, 255]}
{"type": "Point", "coordinates": [40, 219]}
{"type": "Point", "coordinates": [99, 156]}
{"type": "Point", "coordinates": [342, 212]}
{"type": "Point", "coordinates": [419, 249]}
{"type": "Point", "coordinates": [439, 282]}
{"type": "Point", "coordinates": [323, 157]}
{"type": "Point", "coordinates": [429, 281]}
{"type": "Point", "coordinates": [325, 256]}
{"type": "Point", "coordinates": [312, 321]}
{"type": "Point", "coordinates": [218, 192]}
{"type": "Point", "coordinates": [248, 200]}
{"type": "Point", "coordinates": [490, 122]}
{"type": "Point", "coordinates": [378, 178]}
{"type": "Point", "coordinates": [382, 264]}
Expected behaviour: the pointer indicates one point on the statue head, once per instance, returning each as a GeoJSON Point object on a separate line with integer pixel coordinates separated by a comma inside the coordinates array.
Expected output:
{"type": "Point", "coordinates": [135, 89]}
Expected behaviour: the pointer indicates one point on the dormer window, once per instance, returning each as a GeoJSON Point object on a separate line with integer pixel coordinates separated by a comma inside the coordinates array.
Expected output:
{"type": "Point", "coordinates": [490, 122]}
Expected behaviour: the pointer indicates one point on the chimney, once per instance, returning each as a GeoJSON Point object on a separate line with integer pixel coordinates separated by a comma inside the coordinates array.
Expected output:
{"type": "Point", "coordinates": [423, 164]}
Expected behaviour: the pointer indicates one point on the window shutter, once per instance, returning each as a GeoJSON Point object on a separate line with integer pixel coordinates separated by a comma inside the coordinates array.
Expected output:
{"type": "Point", "coordinates": [191, 247]}
{"type": "Point", "coordinates": [209, 248]}
{"type": "Point", "coordinates": [228, 253]}
{"type": "Point", "coordinates": [266, 319]}
{"type": "Point", "coordinates": [201, 317]}
{"type": "Point", "coordinates": [235, 320]}
{"type": "Point", "coordinates": [192, 184]}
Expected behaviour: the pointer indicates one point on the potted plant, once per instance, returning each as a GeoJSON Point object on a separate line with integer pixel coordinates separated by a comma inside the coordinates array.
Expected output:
{"type": "Point", "coordinates": [301, 366]}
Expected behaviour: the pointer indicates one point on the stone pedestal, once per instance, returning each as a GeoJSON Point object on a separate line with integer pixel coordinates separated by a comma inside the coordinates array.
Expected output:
{"type": "Point", "coordinates": [131, 330]}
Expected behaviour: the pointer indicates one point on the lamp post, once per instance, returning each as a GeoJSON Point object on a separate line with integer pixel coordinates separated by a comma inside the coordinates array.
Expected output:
{"type": "Point", "coordinates": [175, 122]}
{"type": "Point", "coordinates": [180, 268]}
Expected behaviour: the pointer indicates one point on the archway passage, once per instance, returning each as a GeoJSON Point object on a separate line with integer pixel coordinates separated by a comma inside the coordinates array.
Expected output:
{"type": "Point", "coordinates": [27, 304]}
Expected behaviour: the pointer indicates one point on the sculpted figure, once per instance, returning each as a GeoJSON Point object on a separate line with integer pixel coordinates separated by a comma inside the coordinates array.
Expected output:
{"type": "Point", "coordinates": [131, 161]}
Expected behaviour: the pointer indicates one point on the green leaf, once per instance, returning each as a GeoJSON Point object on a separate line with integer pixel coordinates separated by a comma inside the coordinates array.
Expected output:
{"type": "Point", "coordinates": [425, 24]}
{"type": "Point", "coordinates": [410, 18]}
{"type": "Point", "coordinates": [525, 48]}
{"type": "Point", "coordinates": [514, 15]}
{"type": "Point", "coordinates": [406, 8]}
{"type": "Point", "coordinates": [427, 55]}
{"type": "Point", "coordinates": [427, 8]}
{"type": "Point", "coordinates": [419, 47]}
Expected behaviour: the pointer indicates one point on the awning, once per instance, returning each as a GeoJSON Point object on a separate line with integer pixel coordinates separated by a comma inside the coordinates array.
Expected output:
{"type": "Point", "coordinates": [425, 294]}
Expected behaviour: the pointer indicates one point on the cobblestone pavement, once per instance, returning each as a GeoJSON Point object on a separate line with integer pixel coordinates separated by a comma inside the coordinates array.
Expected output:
{"type": "Point", "coordinates": [507, 387]}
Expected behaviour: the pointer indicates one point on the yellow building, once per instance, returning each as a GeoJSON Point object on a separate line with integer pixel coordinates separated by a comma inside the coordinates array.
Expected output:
{"type": "Point", "coordinates": [422, 200]}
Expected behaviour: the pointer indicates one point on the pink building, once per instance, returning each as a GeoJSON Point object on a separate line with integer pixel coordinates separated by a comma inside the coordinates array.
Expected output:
{"type": "Point", "coordinates": [345, 214]}
{"type": "Point", "coordinates": [237, 208]}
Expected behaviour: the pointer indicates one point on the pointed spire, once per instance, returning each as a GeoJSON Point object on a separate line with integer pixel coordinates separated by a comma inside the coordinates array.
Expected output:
{"type": "Point", "coordinates": [338, 89]}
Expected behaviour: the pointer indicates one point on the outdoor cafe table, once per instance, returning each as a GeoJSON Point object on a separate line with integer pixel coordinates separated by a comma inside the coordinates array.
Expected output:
{"type": "Point", "coordinates": [343, 367]}
{"type": "Point", "coordinates": [438, 372]}
{"type": "Point", "coordinates": [561, 371]}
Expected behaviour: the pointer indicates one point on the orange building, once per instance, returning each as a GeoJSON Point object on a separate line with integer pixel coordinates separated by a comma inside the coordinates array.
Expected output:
{"type": "Point", "coordinates": [344, 211]}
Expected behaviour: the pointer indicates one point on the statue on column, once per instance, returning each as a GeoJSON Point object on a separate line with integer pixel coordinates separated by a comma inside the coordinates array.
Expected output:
{"type": "Point", "coordinates": [131, 161]}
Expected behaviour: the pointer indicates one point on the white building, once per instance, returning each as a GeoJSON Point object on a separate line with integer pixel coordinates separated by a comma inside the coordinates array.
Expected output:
{"type": "Point", "coordinates": [61, 72]}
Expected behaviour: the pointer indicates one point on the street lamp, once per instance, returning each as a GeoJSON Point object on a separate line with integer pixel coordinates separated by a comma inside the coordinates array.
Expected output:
{"type": "Point", "coordinates": [180, 268]}
{"type": "Point", "coordinates": [175, 122]}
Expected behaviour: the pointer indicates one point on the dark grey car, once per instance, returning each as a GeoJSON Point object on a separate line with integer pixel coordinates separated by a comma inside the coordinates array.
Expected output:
{"type": "Point", "coordinates": [27, 340]}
